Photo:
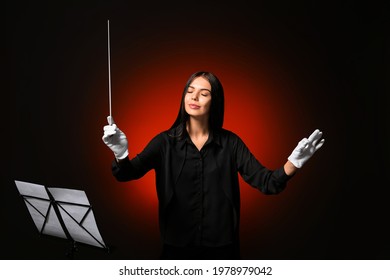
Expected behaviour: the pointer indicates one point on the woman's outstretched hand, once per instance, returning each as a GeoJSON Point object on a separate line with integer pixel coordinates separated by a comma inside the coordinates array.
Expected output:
{"type": "Point", "coordinates": [306, 148]}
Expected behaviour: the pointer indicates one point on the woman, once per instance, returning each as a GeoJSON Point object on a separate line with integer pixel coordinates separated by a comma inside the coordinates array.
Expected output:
{"type": "Point", "coordinates": [197, 163]}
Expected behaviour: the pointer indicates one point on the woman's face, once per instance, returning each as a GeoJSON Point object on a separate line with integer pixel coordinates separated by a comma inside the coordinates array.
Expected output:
{"type": "Point", "coordinates": [198, 98]}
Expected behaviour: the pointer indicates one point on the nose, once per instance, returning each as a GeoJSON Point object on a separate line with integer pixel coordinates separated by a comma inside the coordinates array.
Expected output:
{"type": "Point", "coordinates": [194, 96]}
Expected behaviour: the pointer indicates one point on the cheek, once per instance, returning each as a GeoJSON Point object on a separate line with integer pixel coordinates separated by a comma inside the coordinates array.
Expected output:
{"type": "Point", "coordinates": [186, 102]}
{"type": "Point", "coordinates": [208, 105]}
{"type": "Point", "coordinates": [187, 98]}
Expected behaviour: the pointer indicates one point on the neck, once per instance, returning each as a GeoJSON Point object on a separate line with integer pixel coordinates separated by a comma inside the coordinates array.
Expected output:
{"type": "Point", "coordinates": [197, 127]}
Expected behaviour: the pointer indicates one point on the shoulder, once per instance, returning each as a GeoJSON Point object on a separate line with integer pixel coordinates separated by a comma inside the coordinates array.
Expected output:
{"type": "Point", "coordinates": [158, 141]}
{"type": "Point", "coordinates": [229, 138]}
{"type": "Point", "coordinates": [165, 137]}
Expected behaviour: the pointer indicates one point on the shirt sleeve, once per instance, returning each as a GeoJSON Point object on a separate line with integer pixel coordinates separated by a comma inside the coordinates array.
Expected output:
{"type": "Point", "coordinates": [148, 159]}
{"type": "Point", "coordinates": [255, 174]}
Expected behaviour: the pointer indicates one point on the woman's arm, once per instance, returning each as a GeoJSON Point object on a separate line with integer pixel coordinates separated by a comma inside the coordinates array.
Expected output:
{"type": "Point", "coordinates": [258, 176]}
{"type": "Point", "coordinates": [126, 169]}
{"type": "Point", "coordinates": [123, 168]}
{"type": "Point", "coordinates": [274, 181]}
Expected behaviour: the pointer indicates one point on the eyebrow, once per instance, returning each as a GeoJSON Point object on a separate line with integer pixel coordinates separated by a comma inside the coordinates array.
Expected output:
{"type": "Point", "coordinates": [200, 89]}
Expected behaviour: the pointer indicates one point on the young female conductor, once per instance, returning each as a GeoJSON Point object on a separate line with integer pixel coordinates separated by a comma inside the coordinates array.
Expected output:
{"type": "Point", "coordinates": [197, 163]}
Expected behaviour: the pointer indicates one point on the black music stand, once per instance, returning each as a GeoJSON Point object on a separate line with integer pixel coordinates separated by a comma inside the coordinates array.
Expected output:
{"type": "Point", "coordinates": [60, 212]}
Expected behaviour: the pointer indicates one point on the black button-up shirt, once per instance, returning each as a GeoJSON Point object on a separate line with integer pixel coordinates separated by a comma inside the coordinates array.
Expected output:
{"type": "Point", "coordinates": [198, 191]}
{"type": "Point", "coordinates": [199, 211]}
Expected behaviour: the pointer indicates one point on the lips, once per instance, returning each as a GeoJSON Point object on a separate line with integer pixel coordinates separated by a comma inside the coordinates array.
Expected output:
{"type": "Point", "coordinates": [193, 106]}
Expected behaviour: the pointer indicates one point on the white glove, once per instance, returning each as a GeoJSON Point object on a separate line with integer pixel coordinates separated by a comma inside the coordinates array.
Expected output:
{"type": "Point", "coordinates": [306, 148]}
{"type": "Point", "coordinates": [115, 139]}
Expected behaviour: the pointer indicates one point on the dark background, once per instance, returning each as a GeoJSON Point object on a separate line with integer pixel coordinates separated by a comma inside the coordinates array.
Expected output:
{"type": "Point", "coordinates": [309, 65]}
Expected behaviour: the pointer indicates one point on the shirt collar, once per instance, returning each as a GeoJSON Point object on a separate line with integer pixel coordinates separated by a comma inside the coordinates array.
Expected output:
{"type": "Point", "coordinates": [214, 137]}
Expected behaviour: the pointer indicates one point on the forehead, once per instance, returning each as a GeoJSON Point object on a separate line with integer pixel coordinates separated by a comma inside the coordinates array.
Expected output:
{"type": "Point", "coordinates": [200, 82]}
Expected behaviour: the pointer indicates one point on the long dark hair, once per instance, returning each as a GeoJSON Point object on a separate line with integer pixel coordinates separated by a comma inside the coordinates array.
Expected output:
{"type": "Point", "coordinates": [216, 109]}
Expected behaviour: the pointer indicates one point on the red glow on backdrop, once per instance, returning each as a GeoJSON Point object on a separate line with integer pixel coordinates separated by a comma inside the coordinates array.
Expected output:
{"type": "Point", "coordinates": [147, 88]}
